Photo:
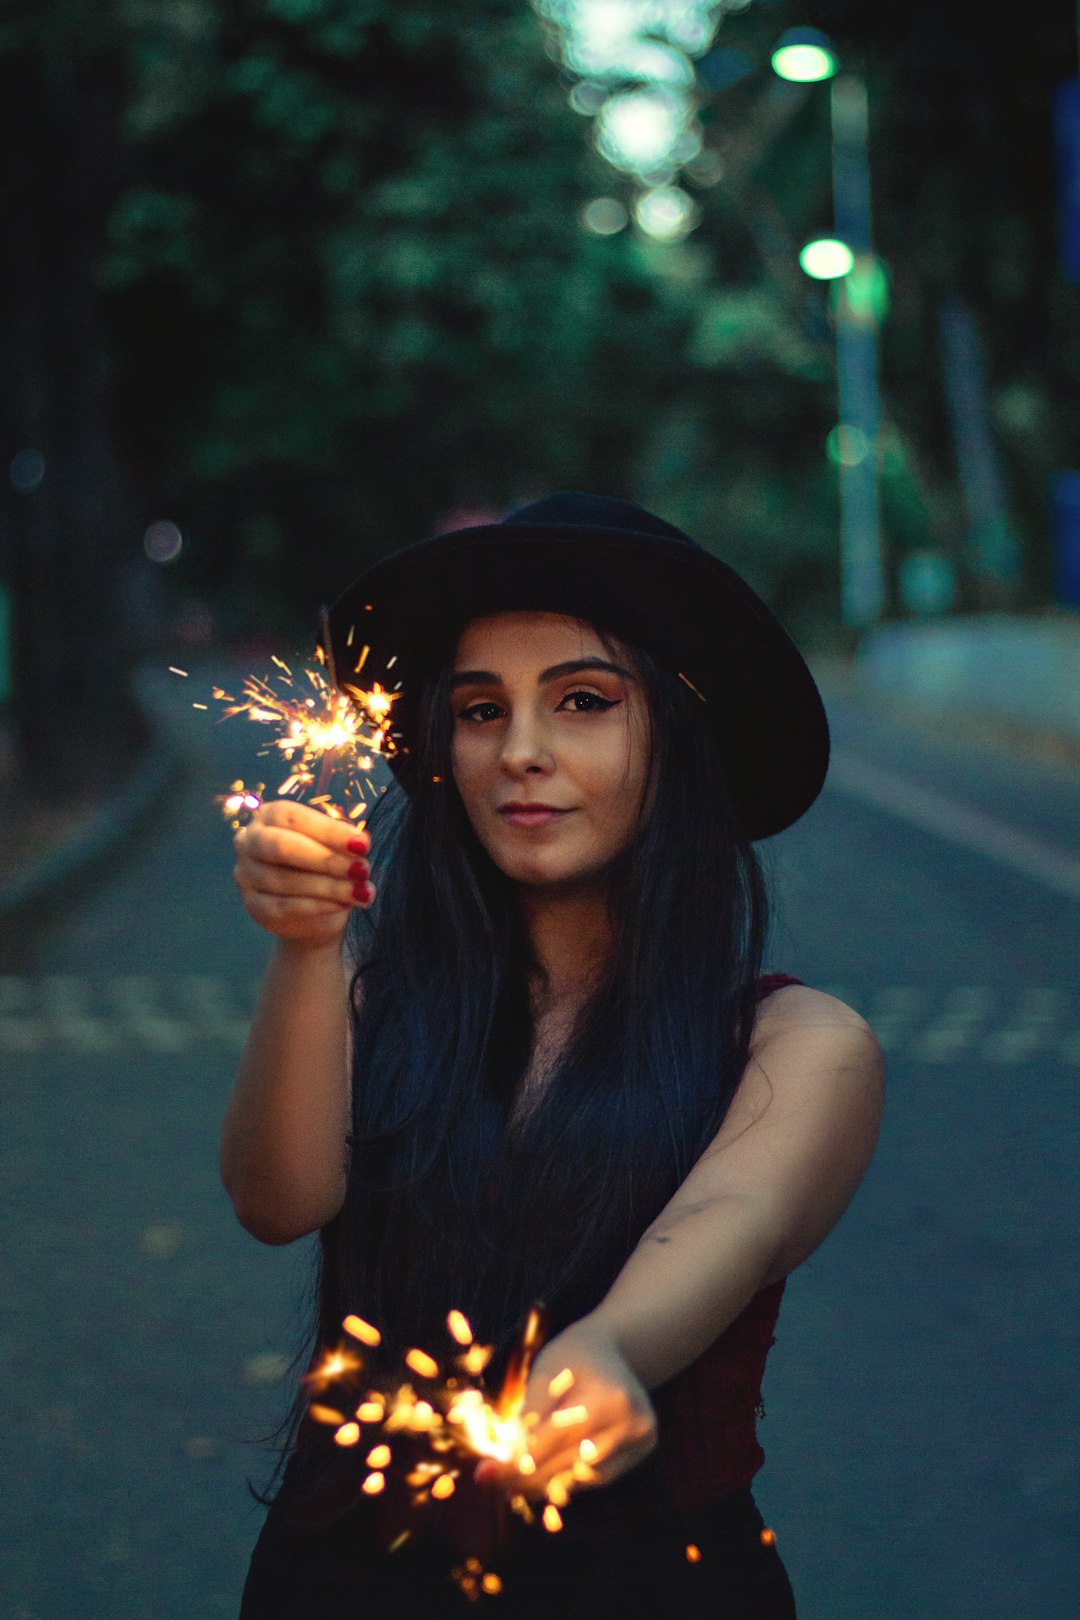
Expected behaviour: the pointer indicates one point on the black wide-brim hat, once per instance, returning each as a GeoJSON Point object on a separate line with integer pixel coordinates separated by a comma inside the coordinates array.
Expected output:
{"type": "Point", "coordinates": [614, 564]}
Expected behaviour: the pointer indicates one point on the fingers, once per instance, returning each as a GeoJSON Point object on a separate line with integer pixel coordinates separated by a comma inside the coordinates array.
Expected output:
{"type": "Point", "coordinates": [297, 874]}
{"type": "Point", "coordinates": [268, 878]}
{"type": "Point", "coordinates": [294, 835]}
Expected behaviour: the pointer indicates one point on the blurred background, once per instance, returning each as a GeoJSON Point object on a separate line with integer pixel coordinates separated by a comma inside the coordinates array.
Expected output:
{"type": "Point", "coordinates": [290, 283]}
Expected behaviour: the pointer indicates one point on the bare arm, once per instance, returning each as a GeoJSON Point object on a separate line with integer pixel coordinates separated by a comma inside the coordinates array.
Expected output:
{"type": "Point", "coordinates": [784, 1166]}
{"type": "Point", "coordinates": [283, 1156]}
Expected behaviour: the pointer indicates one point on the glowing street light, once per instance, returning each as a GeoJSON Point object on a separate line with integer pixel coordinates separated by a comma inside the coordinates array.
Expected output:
{"type": "Point", "coordinates": [825, 259]}
{"type": "Point", "coordinates": [858, 300]}
{"type": "Point", "coordinates": [803, 60]}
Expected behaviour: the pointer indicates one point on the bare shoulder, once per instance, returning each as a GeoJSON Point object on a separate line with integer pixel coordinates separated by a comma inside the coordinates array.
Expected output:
{"type": "Point", "coordinates": [800, 1007]}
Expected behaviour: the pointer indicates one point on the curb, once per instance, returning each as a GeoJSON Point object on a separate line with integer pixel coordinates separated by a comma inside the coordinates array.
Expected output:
{"type": "Point", "coordinates": [115, 820]}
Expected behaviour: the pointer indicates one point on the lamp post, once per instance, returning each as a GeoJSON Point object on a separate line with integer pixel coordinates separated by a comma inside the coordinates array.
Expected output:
{"type": "Point", "coordinates": [848, 261]}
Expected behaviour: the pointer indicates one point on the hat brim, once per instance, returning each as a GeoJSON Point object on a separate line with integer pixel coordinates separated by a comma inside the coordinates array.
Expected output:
{"type": "Point", "coordinates": [684, 605]}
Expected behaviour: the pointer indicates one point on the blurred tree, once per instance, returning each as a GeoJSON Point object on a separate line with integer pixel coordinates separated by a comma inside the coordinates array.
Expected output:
{"type": "Point", "coordinates": [299, 275]}
{"type": "Point", "coordinates": [348, 271]}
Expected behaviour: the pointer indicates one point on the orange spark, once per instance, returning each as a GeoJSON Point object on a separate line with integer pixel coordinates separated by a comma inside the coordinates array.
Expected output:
{"type": "Point", "coordinates": [362, 1330]}
{"type": "Point", "coordinates": [459, 1327]}
{"type": "Point", "coordinates": [325, 1414]}
{"type": "Point", "coordinates": [422, 1363]}
{"type": "Point", "coordinates": [476, 1358]}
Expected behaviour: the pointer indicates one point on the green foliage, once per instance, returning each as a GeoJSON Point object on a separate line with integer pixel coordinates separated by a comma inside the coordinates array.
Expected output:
{"type": "Point", "coordinates": [347, 241]}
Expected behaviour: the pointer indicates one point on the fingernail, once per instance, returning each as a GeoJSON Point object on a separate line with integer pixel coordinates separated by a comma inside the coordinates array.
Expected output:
{"type": "Point", "coordinates": [482, 1471]}
{"type": "Point", "coordinates": [358, 846]}
{"type": "Point", "coordinates": [358, 869]}
{"type": "Point", "coordinates": [363, 893]}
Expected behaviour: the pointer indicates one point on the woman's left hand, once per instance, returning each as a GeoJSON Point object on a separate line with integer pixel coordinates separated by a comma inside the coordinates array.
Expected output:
{"type": "Point", "coordinates": [618, 1426]}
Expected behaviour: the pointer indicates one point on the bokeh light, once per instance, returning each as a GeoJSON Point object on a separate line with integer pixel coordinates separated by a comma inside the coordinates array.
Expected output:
{"type": "Point", "coordinates": [847, 446]}
{"type": "Point", "coordinates": [636, 131]}
{"type": "Point", "coordinates": [803, 64]}
{"type": "Point", "coordinates": [588, 98]}
{"type": "Point", "coordinates": [636, 62]}
{"type": "Point", "coordinates": [666, 212]}
{"type": "Point", "coordinates": [826, 258]}
{"type": "Point", "coordinates": [163, 542]}
{"type": "Point", "coordinates": [605, 216]}
{"type": "Point", "coordinates": [26, 471]}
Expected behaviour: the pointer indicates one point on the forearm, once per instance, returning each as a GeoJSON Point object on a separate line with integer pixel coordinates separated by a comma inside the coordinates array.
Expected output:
{"type": "Point", "coordinates": [693, 1272]}
{"type": "Point", "coordinates": [282, 1155]}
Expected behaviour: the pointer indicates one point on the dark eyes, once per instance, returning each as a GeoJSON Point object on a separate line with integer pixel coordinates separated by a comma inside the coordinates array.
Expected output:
{"type": "Point", "coordinates": [586, 703]}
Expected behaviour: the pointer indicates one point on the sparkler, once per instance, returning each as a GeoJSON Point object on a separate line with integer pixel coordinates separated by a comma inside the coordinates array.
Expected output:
{"type": "Point", "coordinates": [323, 734]}
{"type": "Point", "coordinates": [456, 1420]}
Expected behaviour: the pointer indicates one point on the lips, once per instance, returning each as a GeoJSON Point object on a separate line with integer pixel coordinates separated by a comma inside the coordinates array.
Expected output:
{"type": "Point", "coordinates": [531, 815]}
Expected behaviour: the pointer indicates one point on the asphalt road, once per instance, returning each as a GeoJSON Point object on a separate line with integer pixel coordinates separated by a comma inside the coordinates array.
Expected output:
{"type": "Point", "coordinates": [921, 1396]}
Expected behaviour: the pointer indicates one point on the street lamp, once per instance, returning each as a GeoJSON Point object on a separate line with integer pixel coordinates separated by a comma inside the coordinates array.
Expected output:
{"type": "Point", "coordinates": [847, 261]}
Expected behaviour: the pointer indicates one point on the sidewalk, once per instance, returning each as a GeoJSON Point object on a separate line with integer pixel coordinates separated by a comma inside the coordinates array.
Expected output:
{"type": "Point", "coordinates": [1005, 678]}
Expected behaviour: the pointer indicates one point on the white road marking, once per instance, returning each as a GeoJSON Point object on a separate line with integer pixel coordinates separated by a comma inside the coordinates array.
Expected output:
{"type": "Point", "coordinates": [184, 1015]}
{"type": "Point", "coordinates": [960, 823]}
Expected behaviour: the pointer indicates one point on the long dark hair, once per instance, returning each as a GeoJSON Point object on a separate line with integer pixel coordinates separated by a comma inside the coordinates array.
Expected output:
{"type": "Point", "coordinates": [444, 1208]}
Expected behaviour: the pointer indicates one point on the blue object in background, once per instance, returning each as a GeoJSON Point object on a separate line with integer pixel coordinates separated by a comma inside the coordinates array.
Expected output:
{"type": "Point", "coordinates": [1067, 539]}
{"type": "Point", "coordinates": [1067, 135]}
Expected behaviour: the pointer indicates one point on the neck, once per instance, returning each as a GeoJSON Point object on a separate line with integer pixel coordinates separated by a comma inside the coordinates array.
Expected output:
{"type": "Point", "coordinates": [570, 935]}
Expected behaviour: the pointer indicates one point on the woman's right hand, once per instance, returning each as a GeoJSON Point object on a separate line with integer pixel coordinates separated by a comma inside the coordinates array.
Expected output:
{"type": "Point", "coordinates": [300, 872]}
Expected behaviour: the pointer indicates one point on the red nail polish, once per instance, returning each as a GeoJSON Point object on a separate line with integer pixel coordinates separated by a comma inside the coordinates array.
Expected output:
{"type": "Point", "coordinates": [363, 892]}
{"type": "Point", "coordinates": [358, 846]}
{"type": "Point", "coordinates": [358, 869]}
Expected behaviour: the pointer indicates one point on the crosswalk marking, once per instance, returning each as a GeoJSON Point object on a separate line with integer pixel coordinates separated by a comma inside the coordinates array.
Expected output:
{"type": "Point", "coordinates": [180, 1015]}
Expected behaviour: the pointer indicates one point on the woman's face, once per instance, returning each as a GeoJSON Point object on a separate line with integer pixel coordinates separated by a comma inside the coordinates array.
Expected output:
{"type": "Point", "coordinates": [545, 715]}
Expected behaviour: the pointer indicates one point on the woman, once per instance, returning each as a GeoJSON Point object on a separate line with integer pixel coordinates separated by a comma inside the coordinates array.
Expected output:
{"type": "Point", "coordinates": [553, 1070]}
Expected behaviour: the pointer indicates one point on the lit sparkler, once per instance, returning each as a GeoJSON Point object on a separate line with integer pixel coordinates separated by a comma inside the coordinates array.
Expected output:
{"type": "Point", "coordinates": [324, 735]}
{"type": "Point", "coordinates": [457, 1421]}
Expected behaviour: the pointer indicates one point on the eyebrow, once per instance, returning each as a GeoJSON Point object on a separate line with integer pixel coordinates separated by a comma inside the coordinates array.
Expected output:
{"type": "Point", "coordinates": [573, 666]}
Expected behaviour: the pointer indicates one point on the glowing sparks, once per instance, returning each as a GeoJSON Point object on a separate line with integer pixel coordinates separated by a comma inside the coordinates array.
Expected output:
{"type": "Point", "coordinates": [566, 1415]}
{"type": "Point", "coordinates": [459, 1327]}
{"type": "Point", "coordinates": [693, 1553]}
{"type": "Point", "coordinates": [452, 1420]}
{"type": "Point", "coordinates": [336, 1364]}
{"type": "Point", "coordinates": [476, 1359]}
{"type": "Point", "coordinates": [325, 1414]}
{"type": "Point", "coordinates": [472, 1579]}
{"type": "Point", "coordinates": [359, 1329]}
{"type": "Point", "coordinates": [768, 1538]}
{"type": "Point", "coordinates": [324, 736]}
{"type": "Point", "coordinates": [426, 1366]}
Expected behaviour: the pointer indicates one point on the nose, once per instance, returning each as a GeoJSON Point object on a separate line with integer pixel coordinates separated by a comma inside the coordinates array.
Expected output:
{"type": "Point", "coordinates": [526, 748]}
